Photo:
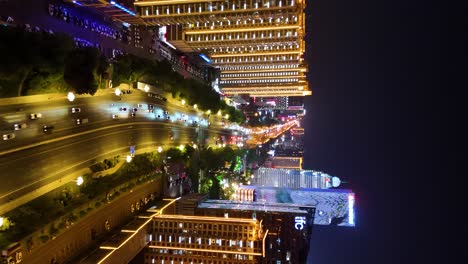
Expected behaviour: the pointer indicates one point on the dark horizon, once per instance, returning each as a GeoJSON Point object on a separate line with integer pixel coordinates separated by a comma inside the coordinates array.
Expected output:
{"type": "Point", "coordinates": [368, 123]}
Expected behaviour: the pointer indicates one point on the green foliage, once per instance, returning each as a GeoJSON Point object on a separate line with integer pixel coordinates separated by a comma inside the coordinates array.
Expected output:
{"type": "Point", "coordinates": [53, 230]}
{"type": "Point", "coordinates": [6, 224]}
{"type": "Point", "coordinates": [98, 166]}
{"type": "Point", "coordinates": [81, 70]}
{"type": "Point", "coordinates": [215, 189]}
{"type": "Point", "coordinates": [129, 69]}
{"type": "Point", "coordinates": [44, 238]}
{"type": "Point", "coordinates": [82, 213]}
{"type": "Point", "coordinates": [174, 154]}
{"type": "Point", "coordinates": [30, 59]}
{"type": "Point", "coordinates": [72, 217]}
{"type": "Point", "coordinates": [61, 225]}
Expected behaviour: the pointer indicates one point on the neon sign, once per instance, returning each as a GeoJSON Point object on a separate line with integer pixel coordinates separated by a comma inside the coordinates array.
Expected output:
{"type": "Point", "coordinates": [299, 222]}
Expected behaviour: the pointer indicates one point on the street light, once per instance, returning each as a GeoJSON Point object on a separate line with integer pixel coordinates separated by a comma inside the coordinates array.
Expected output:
{"type": "Point", "coordinates": [129, 158]}
{"type": "Point", "coordinates": [79, 181]}
{"type": "Point", "coordinates": [160, 149]}
{"type": "Point", "coordinates": [117, 91]}
{"type": "Point", "coordinates": [219, 112]}
{"type": "Point", "coordinates": [195, 106]}
{"type": "Point", "coordinates": [71, 96]}
{"type": "Point", "coordinates": [1, 221]}
{"type": "Point", "coordinates": [195, 146]}
{"type": "Point", "coordinates": [183, 102]}
{"type": "Point", "coordinates": [146, 88]}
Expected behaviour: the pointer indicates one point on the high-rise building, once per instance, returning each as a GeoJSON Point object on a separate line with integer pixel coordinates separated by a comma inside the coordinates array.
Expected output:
{"type": "Point", "coordinates": [290, 178]}
{"type": "Point", "coordinates": [258, 45]}
{"type": "Point", "coordinates": [289, 162]}
{"type": "Point", "coordinates": [332, 206]}
{"type": "Point", "coordinates": [204, 239]}
{"type": "Point", "coordinates": [289, 225]}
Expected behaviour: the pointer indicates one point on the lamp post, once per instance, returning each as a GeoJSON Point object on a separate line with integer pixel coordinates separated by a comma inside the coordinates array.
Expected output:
{"type": "Point", "coordinates": [71, 96]}
{"type": "Point", "coordinates": [79, 180]}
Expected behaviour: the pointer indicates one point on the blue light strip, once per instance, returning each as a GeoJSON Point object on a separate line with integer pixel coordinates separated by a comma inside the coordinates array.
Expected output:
{"type": "Point", "coordinates": [122, 8]}
{"type": "Point", "coordinates": [203, 56]}
{"type": "Point", "coordinates": [78, 3]}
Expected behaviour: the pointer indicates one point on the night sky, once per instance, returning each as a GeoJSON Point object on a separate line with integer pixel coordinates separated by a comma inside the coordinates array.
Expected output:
{"type": "Point", "coordinates": [375, 119]}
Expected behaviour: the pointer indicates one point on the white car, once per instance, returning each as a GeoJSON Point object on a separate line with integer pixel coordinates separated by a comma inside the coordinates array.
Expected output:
{"type": "Point", "coordinates": [8, 136]}
{"type": "Point", "coordinates": [75, 110]}
{"type": "Point", "coordinates": [20, 126]}
{"type": "Point", "coordinates": [35, 116]}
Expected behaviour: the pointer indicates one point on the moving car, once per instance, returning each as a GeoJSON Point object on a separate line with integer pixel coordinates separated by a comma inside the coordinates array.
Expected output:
{"type": "Point", "coordinates": [75, 110]}
{"type": "Point", "coordinates": [18, 126]}
{"type": "Point", "coordinates": [35, 116]}
{"type": "Point", "coordinates": [8, 136]}
{"type": "Point", "coordinates": [81, 121]}
{"type": "Point", "coordinates": [115, 117]}
{"type": "Point", "coordinates": [47, 128]}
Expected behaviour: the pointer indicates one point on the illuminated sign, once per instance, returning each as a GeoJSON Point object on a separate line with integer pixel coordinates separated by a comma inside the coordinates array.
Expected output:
{"type": "Point", "coordinates": [299, 222]}
{"type": "Point", "coordinates": [162, 36]}
{"type": "Point", "coordinates": [205, 58]}
{"type": "Point", "coordinates": [351, 209]}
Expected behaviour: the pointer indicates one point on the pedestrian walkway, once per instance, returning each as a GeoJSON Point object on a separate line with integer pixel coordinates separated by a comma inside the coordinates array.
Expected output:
{"type": "Point", "coordinates": [29, 99]}
{"type": "Point", "coordinates": [6, 207]}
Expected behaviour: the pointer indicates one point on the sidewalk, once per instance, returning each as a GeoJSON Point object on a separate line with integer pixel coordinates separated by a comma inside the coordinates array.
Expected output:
{"type": "Point", "coordinates": [29, 99]}
{"type": "Point", "coordinates": [6, 207]}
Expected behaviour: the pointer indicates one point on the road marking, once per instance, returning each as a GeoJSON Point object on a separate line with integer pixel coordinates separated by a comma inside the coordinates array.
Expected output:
{"type": "Point", "coordinates": [80, 134]}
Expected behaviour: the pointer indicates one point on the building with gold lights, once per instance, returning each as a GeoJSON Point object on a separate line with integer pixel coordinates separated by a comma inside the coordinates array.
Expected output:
{"type": "Point", "coordinates": [258, 45]}
{"type": "Point", "coordinates": [194, 239]}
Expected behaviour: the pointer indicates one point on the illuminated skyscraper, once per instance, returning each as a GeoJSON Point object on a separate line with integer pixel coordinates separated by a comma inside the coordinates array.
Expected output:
{"type": "Point", "coordinates": [332, 206]}
{"type": "Point", "coordinates": [203, 239]}
{"type": "Point", "coordinates": [289, 225]}
{"type": "Point", "coordinates": [258, 45]}
{"type": "Point", "coordinates": [290, 178]}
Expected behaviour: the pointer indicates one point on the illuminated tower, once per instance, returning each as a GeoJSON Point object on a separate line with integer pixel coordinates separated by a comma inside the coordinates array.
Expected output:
{"type": "Point", "coordinates": [269, 177]}
{"type": "Point", "coordinates": [258, 45]}
{"type": "Point", "coordinates": [202, 239]}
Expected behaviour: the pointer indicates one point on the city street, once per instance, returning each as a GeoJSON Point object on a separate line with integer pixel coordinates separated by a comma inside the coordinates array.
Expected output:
{"type": "Point", "coordinates": [33, 158]}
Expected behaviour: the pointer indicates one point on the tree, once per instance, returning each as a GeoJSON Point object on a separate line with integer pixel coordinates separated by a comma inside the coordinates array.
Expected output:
{"type": "Point", "coordinates": [215, 190]}
{"type": "Point", "coordinates": [6, 224]}
{"type": "Point", "coordinates": [80, 70]}
{"type": "Point", "coordinates": [27, 55]}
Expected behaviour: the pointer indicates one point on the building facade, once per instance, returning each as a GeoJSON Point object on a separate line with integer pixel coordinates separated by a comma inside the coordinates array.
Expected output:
{"type": "Point", "coordinates": [258, 45]}
{"type": "Point", "coordinates": [294, 178]}
{"type": "Point", "coordinates": [204, 239]}
{"type": "Point", "coordinates": [289, 226]}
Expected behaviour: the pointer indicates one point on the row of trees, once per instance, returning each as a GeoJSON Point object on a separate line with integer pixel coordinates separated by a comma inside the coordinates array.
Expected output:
{"type": "Point", "coordinates": [39, 62]}
{"type": "Point", "coordinates": [130, 69]}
